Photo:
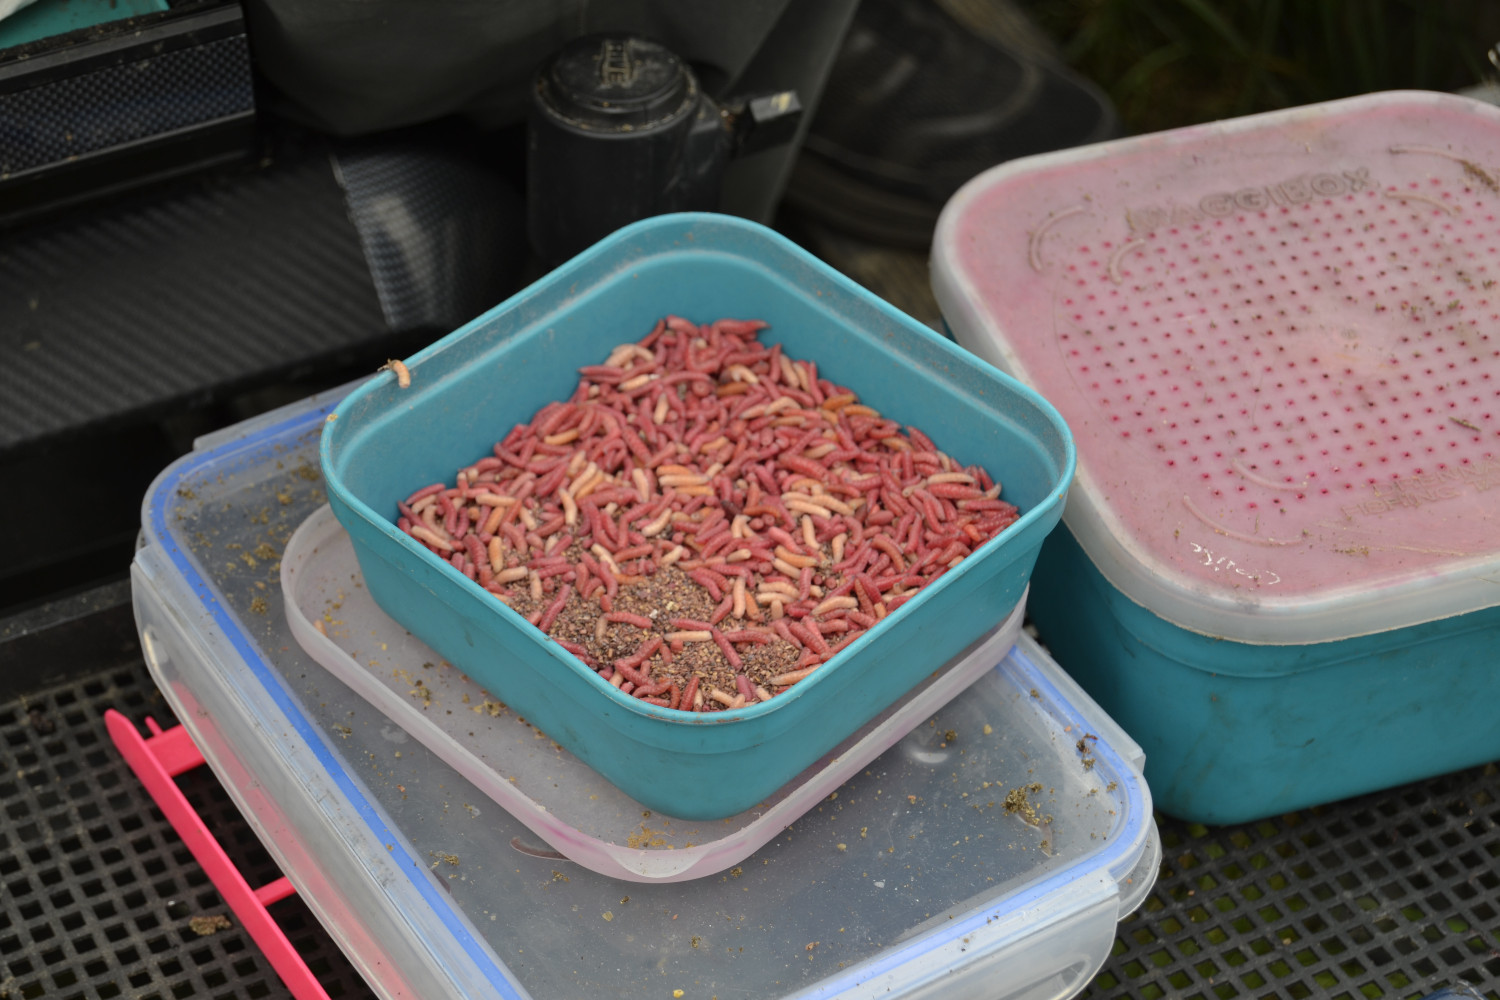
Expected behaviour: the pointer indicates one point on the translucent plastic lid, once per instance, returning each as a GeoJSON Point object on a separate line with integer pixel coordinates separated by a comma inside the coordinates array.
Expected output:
{"type": "Point", "coordinates": [560, 798]}
{"type": "Point", "coordinates": [1277, 343]}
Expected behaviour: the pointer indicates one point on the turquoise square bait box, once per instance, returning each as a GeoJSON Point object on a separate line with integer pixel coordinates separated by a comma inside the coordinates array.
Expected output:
{"type": "Point", "coordinates": [468, 389]}
{"type": "Point", "coordinates": [1277, 343]}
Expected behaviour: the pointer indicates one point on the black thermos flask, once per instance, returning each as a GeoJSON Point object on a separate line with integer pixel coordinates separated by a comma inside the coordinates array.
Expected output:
{"type": "Point", "coordinates": [619, 129]}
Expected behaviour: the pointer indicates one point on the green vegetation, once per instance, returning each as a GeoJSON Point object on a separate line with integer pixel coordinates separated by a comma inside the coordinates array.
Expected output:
{"type": "Point", "coordinates": [1168, 63]}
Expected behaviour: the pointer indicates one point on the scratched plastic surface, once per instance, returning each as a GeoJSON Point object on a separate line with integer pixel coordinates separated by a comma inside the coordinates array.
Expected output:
{"type": "Point", "coordinates": [1277, 343]}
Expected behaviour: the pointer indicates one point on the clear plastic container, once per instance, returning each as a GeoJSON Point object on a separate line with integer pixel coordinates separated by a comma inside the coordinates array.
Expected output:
{"type": "Point", "coordinates": [559, 797]}
{"type": "Point", "coordinates": [913, 879]}
{"type": "Point", "coordinates": [1273, 341]}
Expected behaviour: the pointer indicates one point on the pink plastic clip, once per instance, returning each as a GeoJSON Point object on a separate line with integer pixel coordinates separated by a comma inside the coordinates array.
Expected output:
{"type": "Point", "coordinates": [156, 761]}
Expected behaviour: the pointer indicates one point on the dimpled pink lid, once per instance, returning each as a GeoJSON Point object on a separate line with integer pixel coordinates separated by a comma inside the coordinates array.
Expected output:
{"type": "Point", "coordinates": [1277, 343]}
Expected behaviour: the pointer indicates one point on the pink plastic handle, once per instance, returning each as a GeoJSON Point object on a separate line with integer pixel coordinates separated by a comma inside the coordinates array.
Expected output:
{"type": "Point", "coordinates": [156, 761]}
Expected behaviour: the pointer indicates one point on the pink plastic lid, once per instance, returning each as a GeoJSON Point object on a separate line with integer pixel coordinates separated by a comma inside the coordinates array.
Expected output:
{"type": "Point", "coordinates": [1277, 343]}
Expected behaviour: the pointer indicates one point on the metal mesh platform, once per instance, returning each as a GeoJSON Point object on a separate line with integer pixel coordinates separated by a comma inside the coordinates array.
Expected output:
{"type": "Point", "coordinates": [1389, 895]}
{"type": "Point", "coordinates": [1395, 894]}
{"type": "Point", "coordinates": [100, 897]}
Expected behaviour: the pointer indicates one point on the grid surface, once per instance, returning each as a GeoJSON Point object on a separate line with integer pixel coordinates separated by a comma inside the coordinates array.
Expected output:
{"type": "Point", "coordinates": [1395, 894]}
{"type": "Point", "coordinates": [99, 898]}
{"type": "Point", "coordinates": [83, 114]}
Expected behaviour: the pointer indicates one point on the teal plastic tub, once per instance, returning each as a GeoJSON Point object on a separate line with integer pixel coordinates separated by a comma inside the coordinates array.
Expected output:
{"type": "Point", "coordinates": [468, 389]}
{"type": "Point", "coordinates": [1273, 339]}
{"type": "Point", "coordinates": [1238, 731]}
